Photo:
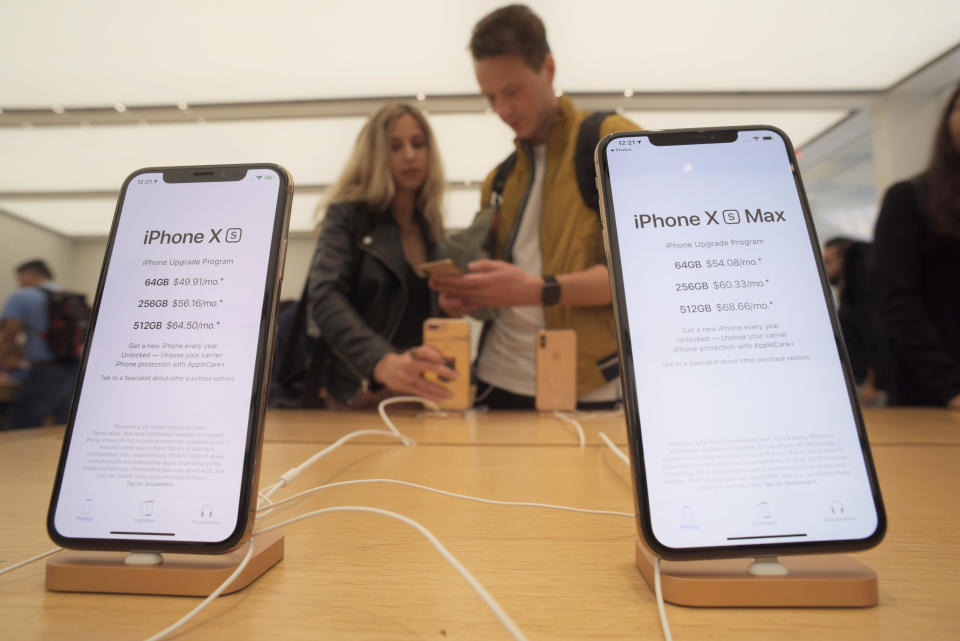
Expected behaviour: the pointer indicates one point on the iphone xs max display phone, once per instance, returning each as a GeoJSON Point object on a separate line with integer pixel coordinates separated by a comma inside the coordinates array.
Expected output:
{"type": "Point", "coordinates": [745, 433]}
{"type": "Point", "coordinates": [556, 370]}
{"type": "Point", "coordinates": [451, 337]}
{"type": "Point", "coordinates": [162, 446]}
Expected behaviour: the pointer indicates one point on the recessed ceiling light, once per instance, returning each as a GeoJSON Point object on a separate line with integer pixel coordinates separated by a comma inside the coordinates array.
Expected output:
{"type": "Point", "coordinates": [627, 93]}
{"type": "Point", "coordinates": [57, 109]}
{"type": "Point", "coordinates": [558, 93]}
{"type": "Point", "coordinates": [120, 107]}
{"type": "Point", "coordinates": [421, 96]}
{"type": "Point", "coordinates": [182, 105]}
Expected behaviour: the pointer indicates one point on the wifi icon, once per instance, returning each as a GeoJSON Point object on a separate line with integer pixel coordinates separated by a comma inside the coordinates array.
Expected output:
{"type": "Point", "coordinates": [259, 177]}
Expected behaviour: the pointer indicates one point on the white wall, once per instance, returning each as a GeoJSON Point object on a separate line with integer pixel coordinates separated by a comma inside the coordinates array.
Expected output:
{"type": "Point", "coordinates": [22, 241]}
{"type": "Point", "coordinates": [86, 259]}
{"type": "Point", "coordinates": [903, 129]}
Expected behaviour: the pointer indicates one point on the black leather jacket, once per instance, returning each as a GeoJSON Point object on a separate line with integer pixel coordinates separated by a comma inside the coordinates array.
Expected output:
{"type": "Point", "coordinates": [358, 294]}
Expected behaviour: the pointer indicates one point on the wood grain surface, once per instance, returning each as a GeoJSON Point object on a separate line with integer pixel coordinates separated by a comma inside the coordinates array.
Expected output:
{"type": "Point", "coordinates": [560, 575]}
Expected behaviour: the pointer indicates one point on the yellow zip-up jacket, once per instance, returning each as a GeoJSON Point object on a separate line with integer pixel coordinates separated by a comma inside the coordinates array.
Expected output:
{"type": "Point", "coordinates": [571, 239]}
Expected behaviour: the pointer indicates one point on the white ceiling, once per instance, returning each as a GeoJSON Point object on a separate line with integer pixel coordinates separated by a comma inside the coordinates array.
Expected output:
{"type": "Point", "coordinates": [103, 52]}
{"type": "Point", "coordinates": [97, 159]}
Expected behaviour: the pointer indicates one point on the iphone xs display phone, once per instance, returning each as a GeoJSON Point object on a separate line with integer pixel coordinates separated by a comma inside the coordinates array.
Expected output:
{"type": "Point", "coordinates": [451, 337]}
{"type": "Point", "coordinates": [556, 370]}
{"type": "Point", "coordinates": [162, 445]}
{"type": "Point", "coordinates": [745, 434]}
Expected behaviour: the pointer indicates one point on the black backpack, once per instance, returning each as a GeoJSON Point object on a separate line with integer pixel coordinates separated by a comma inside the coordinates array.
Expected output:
{"type": "Point", "coordinates": [68, 316]}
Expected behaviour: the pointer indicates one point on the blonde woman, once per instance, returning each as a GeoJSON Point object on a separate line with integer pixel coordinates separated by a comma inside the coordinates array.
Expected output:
{"type": "Point", "coordinates": [367, 293]}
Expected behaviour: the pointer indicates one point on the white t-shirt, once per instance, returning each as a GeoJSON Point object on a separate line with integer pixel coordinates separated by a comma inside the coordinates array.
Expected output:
{"type": "Point", "coordinates": [509, 358]}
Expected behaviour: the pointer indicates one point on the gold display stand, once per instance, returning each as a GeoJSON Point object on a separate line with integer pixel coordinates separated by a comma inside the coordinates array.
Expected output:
{"type": "Point", "coordinates": [176, 575]}
{"type": "Point", "coordinates": [811, 581]}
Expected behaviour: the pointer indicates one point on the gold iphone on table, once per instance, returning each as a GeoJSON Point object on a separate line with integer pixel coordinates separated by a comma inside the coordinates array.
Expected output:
{"type": "Point", "coordinates": [556, 369]}
{"type": "Point", "coordinates": [451, 337]}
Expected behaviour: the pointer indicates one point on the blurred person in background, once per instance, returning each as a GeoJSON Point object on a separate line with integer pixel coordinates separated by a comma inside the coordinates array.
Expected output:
{"type": "Point", "coordinates": [917, 243]}
{"type": "Point", "coordinates": [367, 294]}
{"type": "Point", "coordinates": [851, 270]}
{"type": "Point", "coordinates": [46, 389]}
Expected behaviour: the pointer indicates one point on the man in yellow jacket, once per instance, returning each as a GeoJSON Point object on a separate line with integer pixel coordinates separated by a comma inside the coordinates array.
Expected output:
{"type": "Point", "coordinates": [548, 269]}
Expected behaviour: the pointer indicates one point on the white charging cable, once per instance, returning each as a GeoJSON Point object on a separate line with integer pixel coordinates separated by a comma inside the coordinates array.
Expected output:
{"type": "Point", "coordinates": [576, 424]}
{"type": "Point", "coordinates": [467, 497]}
{"type": "Point", "coordinates": [589, 415]}
{"type": "Point", "coordinates": [500, 613]}
{"type": "Point", "coordinates": [657, 588]}
{"type": "Point", "coordinates": [614, 448]}
{"type": "Point", "coordinates": [44, 555]}
{"type": "Point", "coordinates": [382, 410]}
{"type": "Point", "coordinates": [213, 595]}
{"type": "Point", "coordinates": [290, 475]}
{"type": "Point", "coordinates": [471, 580]}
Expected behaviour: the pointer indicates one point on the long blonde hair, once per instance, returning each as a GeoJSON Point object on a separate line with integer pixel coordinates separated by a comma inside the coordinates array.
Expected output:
{"type": "Point", "coordinates": [367, 177]}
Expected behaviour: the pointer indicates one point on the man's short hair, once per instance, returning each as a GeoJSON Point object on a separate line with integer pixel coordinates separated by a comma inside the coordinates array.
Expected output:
{"type": "Point", "coordinates": [37, 267]}
{"type": "Point", "coordinates": [513, 30]}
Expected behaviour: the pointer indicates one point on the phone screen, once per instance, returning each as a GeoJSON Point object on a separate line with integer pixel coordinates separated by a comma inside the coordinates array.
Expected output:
{"type": "Point", "coordinates": [746, 427]}
{"type": "Point", "coordinates": [160, 444]}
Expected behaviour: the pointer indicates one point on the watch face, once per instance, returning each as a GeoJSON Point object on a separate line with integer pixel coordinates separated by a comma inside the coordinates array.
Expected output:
{"type": "Point", "coordinates": [551, 291]}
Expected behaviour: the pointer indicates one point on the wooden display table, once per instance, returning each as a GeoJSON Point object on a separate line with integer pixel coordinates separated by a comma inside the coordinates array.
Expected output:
{"type": "Point", "coordinates": [560, 575]}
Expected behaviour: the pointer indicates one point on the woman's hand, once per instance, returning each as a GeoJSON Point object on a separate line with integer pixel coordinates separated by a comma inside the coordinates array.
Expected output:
{"type": "Point", "coordinates": [403, 372]}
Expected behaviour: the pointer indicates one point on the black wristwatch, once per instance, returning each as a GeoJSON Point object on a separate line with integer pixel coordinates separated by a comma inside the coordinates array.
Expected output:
{"type": "Point", "coordinates": [551, 291]}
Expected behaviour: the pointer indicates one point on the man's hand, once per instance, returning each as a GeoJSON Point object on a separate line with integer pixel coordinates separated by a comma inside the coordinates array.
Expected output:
{"type": "Point", "coordinates": [490, 283]}
{"type": "Point", "coordinates": [954, 403]}
{"type": "Point", "coordinates": [404, 372]}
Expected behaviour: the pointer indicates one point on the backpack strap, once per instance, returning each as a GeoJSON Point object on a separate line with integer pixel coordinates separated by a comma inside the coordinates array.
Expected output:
{"type": "Point", "coordinates": [500, 179]}
{"type": "Point", "coordinates": [587, 140]}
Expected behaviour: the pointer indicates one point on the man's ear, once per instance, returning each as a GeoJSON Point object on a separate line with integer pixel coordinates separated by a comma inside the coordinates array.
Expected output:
{"type": "Point", "coordinates": [549, 67]}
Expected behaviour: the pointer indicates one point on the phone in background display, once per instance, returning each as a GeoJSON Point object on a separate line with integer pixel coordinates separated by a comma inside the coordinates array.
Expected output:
{"type": "Point", "coordinates": [744, 427]}
{"type": "Point", "coordinates": [451, 337]}
{"type": "Point", "coordinates": [556, 370]}
{"type": "Point", "coordinates": [163, 440]}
